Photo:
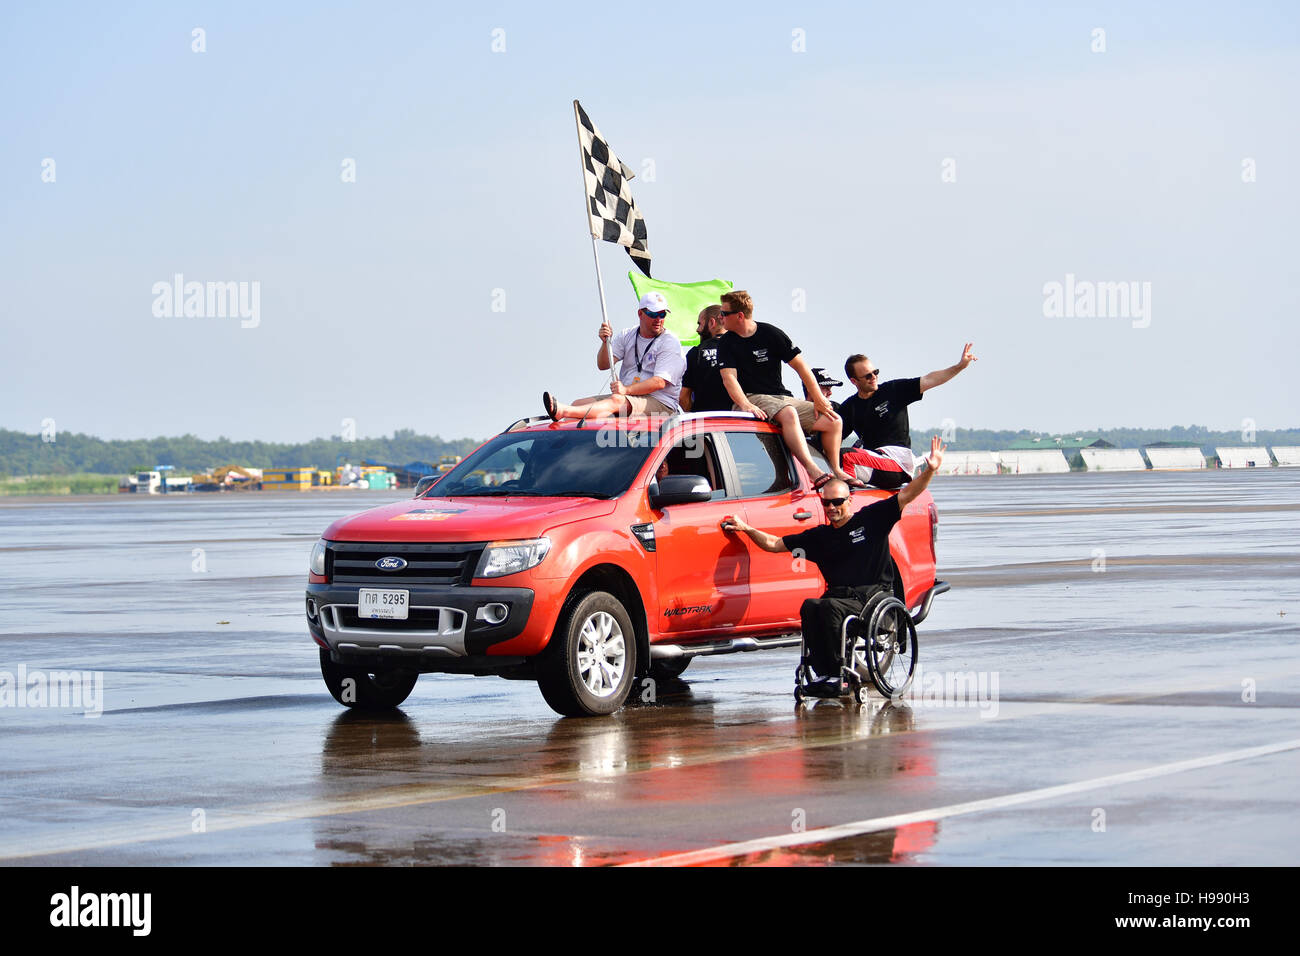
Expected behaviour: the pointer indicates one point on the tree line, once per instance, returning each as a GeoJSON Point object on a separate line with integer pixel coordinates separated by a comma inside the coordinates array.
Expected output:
{"type": "Point", "coordinates": [74, 453]}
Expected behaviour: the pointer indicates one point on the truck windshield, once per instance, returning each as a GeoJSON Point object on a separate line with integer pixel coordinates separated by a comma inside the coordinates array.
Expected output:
{"type": "Point", "coordinates": [573, 463]}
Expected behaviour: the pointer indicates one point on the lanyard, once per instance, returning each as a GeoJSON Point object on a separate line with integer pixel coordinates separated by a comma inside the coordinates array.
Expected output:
{"type": "Point", "coordinates": [647, 349]}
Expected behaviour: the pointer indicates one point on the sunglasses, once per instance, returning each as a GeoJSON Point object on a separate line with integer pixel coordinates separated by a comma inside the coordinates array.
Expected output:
{"type": "Point", "coordinates": [655, 315]}
{"type": "Point", "coordinates": [835, 502]}
{"type": "Point", "coordinates": [731, 312]}
{"type": "Point", "coordinates": [872, 374]}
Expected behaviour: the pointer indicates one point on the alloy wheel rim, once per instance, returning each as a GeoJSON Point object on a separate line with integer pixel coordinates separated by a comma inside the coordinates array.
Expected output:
{"type": "Point", "coordinates": [602, 654]}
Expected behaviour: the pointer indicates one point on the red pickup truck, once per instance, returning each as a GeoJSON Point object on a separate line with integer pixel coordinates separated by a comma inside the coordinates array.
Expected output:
{"type": "Point", "coordinates": [582, 555]}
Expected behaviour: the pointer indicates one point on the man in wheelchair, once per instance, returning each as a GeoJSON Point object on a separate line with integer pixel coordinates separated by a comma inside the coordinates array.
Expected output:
{"type": "Point", "coordinates": [852, 553]}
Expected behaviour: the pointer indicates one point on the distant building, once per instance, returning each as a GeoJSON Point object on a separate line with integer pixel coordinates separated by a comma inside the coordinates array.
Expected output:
{"type": "Point", "coordinates": [1287, 455]}
{"type": "Point", "coordinates": [1248, 457]}
{"type": "Point", "coordinates": [1069, 446]}
{"type": "Point", "coordinates": [1033, 461]}
{"type": "Point", "coordinates": [1174, 455]}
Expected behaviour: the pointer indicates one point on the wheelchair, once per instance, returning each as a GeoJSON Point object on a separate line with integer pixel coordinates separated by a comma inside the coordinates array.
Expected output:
{"type": "Point", "coordinates": [877, 648]}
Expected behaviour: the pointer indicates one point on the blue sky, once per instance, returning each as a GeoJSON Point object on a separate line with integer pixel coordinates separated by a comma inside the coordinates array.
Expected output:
{"type": "Point", "coordinates": [817, 171]}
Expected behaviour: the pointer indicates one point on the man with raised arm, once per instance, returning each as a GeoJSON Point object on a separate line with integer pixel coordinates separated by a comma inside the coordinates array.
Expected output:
{"type": "Point", "coordinates": [852, 553]}
{"type": "Point", "coordinates": [878, 413]}
{"type": "Point", "coordinates": [751, 354]}
{"type": "Point", "coordinates": [649, 376]}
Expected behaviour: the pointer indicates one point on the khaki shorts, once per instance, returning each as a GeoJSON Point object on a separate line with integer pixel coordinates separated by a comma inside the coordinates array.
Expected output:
{"type": "Point", "coordinates": [641, 404]}
{"type": "Point", "coordinates": [771, 404]}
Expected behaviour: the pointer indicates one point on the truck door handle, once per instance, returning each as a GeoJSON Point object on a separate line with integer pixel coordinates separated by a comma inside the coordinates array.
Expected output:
{"type": "Point", "coordinates": [802, 515]}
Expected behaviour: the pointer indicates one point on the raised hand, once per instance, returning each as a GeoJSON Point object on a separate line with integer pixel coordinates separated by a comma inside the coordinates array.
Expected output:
{"type": "Point", "coordinates": [605, 333]}
{"type": "Point", "coordinates": [967, 356]}
{"type": "Point", "coordinates": [935, 458]}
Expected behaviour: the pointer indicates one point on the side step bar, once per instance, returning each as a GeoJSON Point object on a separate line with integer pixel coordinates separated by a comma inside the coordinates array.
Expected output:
{"type": "Point", "coordinates": [661, 652]}
{"type": "Point", "coordinates": [940, 587]}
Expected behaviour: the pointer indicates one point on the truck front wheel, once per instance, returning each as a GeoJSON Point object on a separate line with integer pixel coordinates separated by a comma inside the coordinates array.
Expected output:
{"type": "Point", "coordinates": [360, 689]}
{"type": "Point", "coordinates": [588, 668]}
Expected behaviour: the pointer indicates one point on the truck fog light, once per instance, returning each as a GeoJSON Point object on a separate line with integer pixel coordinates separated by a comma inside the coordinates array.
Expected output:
{"type": "Point", "coordinates": [492, 613]}
{"type": "Point", "coordinates": [312, 611]}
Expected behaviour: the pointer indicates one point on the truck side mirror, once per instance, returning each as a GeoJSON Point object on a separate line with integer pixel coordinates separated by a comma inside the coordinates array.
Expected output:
{"type": "Point", "coordinates": [423, 484]}
{"type": "Point", "coordinates": [679, 490]}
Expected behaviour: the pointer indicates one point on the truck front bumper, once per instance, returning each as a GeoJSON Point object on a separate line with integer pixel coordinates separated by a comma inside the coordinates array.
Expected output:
{"type": "Point", "coordinates": [444, 622]}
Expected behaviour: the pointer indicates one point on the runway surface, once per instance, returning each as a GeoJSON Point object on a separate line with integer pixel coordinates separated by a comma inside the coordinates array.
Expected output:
{"type": "Point", "coordinates": [1113, 678]}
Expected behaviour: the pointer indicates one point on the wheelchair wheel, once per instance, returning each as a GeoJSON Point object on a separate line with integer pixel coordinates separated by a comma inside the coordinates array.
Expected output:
{"type": "Point", "coordinates": [891, 648]}
{"type": "Point", "coordinates": [858, 625]}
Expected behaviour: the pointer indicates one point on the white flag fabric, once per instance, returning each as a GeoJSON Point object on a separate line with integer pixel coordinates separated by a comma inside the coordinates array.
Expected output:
{"type": "Point", "coordinates": [610, 208]}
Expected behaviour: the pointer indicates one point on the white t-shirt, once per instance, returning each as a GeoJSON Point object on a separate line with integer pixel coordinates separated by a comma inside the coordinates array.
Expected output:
{"type": "Point", "coordinates": [642, 358]}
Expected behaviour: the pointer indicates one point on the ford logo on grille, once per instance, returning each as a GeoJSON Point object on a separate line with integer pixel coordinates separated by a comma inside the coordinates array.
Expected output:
{"type": "Point", "coordinates": [390, 564]}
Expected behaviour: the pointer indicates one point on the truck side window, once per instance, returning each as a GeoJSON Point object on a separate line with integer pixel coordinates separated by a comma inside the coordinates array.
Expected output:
{"type": "Point", "coordinates": [695, 455]}
{"type": "Point", "coordinates": [761, 463]}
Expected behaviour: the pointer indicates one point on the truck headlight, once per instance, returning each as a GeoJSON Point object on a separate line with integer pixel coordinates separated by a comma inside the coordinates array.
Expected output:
{"type": "Point", "coordinates": [511, 557]}
{"type": "Point", "coordinates": [317, 562]}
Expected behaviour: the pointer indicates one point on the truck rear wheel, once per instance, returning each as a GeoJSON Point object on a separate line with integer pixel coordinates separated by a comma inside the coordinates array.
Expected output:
{"type": "Point", "coordinates": [588, 668]}
{"type": "Point", "coordinates": [360, 689]}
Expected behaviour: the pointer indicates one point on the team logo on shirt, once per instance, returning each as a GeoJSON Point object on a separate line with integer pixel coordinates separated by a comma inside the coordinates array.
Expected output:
{"type": "Point", "coordinates": [857, 535]}
{"type": "Point", "coordinates": [760, 355]}
{"type": "Point", "coordinates": [882, 408]}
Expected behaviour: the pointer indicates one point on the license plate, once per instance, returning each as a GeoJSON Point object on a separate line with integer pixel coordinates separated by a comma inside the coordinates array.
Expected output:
{"type": "Point", "coordinates": [374, 604]}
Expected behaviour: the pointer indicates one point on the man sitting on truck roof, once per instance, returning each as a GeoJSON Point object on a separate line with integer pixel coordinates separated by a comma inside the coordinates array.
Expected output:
{"type": "Point", "coordinates": [750, 355]}
{"type": "Point", "coordinates": [649, 376]}
{"type": "Point", "coordinates": [702, 389]}
{"type": "Point", "coordinates": [878, 413]}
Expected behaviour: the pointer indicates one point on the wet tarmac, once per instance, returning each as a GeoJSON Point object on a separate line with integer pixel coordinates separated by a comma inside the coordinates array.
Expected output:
{"type": "Point", "coordinates": [1113, 678]}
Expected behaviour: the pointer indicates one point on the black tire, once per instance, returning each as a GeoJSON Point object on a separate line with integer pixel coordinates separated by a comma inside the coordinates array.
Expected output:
{"type": "Point", "coordinates": [669, 668]}
{"type": "Point", "coordinates": [891, 648]}
{"type": "Point", "coordinates": [368, 690]}
{"type": "Point", "coordinates": [577, 683]}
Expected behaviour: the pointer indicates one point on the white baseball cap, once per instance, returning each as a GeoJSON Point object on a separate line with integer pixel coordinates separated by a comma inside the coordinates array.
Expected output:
{"type": "Point", "coordinates": [654, 302]}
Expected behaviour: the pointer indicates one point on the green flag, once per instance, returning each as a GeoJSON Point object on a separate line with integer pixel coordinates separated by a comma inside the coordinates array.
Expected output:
{"type": "Point", "coordinates": [685, 302]}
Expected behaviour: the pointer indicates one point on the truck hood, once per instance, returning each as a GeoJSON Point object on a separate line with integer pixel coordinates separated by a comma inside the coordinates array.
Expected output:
{"type": "Point", "coordinates": [465, 519]}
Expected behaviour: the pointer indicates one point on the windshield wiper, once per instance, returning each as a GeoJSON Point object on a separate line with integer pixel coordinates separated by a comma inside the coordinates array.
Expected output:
{"type": "Point", "coordinates": [511, 493]}
{"type": "Point", "coordinates": [497, 493]}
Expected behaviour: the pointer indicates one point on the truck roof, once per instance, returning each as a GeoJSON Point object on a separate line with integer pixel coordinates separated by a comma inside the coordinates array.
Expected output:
{"type": "Point", "coordinates": [660, 423]}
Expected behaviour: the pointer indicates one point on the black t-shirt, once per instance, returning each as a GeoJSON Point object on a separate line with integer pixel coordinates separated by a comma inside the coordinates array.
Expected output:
{"type": "Point", "coordinates": [757, 359]}
{"type": "Point", "coordinates": [704, 380]}
{"type": "Point", "coordinates": [882, 419]}
{"type": "Point", "coordinates": [856, 555]}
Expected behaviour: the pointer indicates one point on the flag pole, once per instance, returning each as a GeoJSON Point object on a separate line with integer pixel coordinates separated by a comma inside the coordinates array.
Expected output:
{"type": "Point", "coordinates": [586, 205]}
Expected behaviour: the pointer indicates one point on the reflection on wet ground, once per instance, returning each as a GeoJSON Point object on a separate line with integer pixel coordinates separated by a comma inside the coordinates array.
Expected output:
{"type": "Point", "coordinates": [1125, 622]}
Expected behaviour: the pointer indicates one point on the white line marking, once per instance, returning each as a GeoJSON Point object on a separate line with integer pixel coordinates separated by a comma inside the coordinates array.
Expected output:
{"type": "Point", "coordinates": [826, 834]}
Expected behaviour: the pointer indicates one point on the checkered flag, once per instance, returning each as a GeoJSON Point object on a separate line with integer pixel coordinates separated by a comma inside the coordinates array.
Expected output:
{"type": "Point", "coordinates": [610, 208]}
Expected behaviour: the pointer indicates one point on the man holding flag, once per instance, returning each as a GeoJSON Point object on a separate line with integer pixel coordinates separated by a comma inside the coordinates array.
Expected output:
{"type": "Point", "coordinates": [650, 374]}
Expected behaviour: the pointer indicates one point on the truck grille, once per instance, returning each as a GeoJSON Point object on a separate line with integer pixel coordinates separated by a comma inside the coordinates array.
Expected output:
{"type": "Point", "coordinates": [350, 562]}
